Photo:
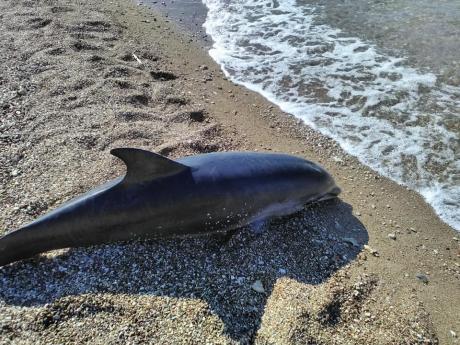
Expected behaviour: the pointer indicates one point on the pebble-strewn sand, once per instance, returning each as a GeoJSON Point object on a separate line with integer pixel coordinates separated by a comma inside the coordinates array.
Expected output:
{"type": "Point", "coordinates": [80, 78]}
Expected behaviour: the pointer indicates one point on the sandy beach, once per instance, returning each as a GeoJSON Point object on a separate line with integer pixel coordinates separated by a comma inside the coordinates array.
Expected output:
{"type": "Point", "coordinates": [77, 79]}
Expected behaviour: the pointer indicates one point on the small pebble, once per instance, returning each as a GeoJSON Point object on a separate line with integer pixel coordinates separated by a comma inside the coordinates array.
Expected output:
{"type": "Point", "coordinates": [392, 237]}
{"type": "Point", "coordinates": [423, 278]}
{"type": "Point", "coordinates": [371, 250]}
{"type": "Point", "coordinates": [257, 286]}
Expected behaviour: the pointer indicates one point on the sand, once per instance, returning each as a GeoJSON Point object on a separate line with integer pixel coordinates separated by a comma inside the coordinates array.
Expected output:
{"type": "Point", "coordinates": [71, 89]}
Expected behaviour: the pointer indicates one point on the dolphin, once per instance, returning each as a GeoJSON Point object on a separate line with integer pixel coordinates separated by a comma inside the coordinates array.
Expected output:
{"type": "Point", "coordinates": [159, 197]}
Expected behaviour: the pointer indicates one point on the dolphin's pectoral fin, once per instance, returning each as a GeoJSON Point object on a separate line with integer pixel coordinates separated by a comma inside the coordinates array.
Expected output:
{"type": "Point", "coordinates": [144, 166]}
{"type": "Point", "coordinates": [259, 226]}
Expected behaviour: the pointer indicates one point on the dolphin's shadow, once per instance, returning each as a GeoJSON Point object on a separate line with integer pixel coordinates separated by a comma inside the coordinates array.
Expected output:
{"type": "Point", "coordinates": [308, 247]}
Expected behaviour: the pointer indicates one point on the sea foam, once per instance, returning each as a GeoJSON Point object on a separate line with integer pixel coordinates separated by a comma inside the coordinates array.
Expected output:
{"type": "Point", "coordinates": [396, 119]}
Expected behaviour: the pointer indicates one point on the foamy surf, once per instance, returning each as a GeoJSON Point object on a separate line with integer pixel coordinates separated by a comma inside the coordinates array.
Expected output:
{"type": "Point", "coordinates": [396, 119]}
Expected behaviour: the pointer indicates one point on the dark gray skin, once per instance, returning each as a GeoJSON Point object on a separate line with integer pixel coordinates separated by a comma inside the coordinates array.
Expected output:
{"type": "Point", "coordinates": [159, 197]}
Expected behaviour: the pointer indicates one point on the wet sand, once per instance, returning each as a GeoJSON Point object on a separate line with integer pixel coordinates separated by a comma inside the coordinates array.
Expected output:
{"type": "Point", "coordinates": [71, 89]}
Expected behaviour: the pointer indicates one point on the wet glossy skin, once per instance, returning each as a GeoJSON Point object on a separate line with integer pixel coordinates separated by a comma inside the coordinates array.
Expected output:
{"type": "Point", "coordinates": [210, 193]}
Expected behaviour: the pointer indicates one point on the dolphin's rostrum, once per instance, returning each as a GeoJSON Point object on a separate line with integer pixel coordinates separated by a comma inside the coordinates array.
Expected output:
{"type": "Point", "coordinates": [160, 197]}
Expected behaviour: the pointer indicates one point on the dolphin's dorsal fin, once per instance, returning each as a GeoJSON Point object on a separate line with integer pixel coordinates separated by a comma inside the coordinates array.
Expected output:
{"type": "Point", "coordinates": [142, 166]}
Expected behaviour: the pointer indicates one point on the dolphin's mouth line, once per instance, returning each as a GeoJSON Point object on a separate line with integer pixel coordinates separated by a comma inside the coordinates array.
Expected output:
{"type": "Point", "coordinates": [327, 196]}
{"type": "Point", "coordinates": [332, 194]}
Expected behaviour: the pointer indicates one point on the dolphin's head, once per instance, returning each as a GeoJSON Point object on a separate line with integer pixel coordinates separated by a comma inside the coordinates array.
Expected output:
{"type": "Point", "coordinates": [315, 182]}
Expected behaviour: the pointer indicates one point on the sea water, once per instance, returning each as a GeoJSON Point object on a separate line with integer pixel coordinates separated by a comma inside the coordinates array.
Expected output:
{"type": "Point", "coordinates": [382, 78]}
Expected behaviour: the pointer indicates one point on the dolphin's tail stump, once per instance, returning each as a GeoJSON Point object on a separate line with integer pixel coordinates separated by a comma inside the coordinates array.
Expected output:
{"type": "Point", "coordinates": [14, 248]}
{"type": "Point", "coordinates": [24, 243]}
{"type": "Point", "coordinates": [9, 249]}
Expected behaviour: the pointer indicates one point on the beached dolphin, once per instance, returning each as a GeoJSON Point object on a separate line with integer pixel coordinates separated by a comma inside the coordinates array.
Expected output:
{"type": "Point", "coordinates": [159, 197]}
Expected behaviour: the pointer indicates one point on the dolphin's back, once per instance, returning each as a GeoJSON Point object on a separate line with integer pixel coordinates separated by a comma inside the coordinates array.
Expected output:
{"type": "Point", "coordinates": [235, 165]}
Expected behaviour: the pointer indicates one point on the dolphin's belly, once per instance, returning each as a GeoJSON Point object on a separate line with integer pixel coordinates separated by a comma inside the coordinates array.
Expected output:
{"type": "Point", "coordinates": [191, 217]}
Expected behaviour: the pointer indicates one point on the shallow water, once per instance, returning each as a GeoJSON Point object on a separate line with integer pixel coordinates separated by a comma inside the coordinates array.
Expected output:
{"type": "Point", "coordinates": [426, 32]}
{"type": "Point", "coordinates": [380, 77]}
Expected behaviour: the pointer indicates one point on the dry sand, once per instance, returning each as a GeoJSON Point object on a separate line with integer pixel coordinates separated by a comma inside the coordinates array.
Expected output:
{"type": "Point", "coordinates": [71, 89]}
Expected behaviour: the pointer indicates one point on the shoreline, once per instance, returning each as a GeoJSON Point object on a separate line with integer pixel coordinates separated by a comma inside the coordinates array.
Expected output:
{"type": "Point", "coordinates": [237, 118]}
